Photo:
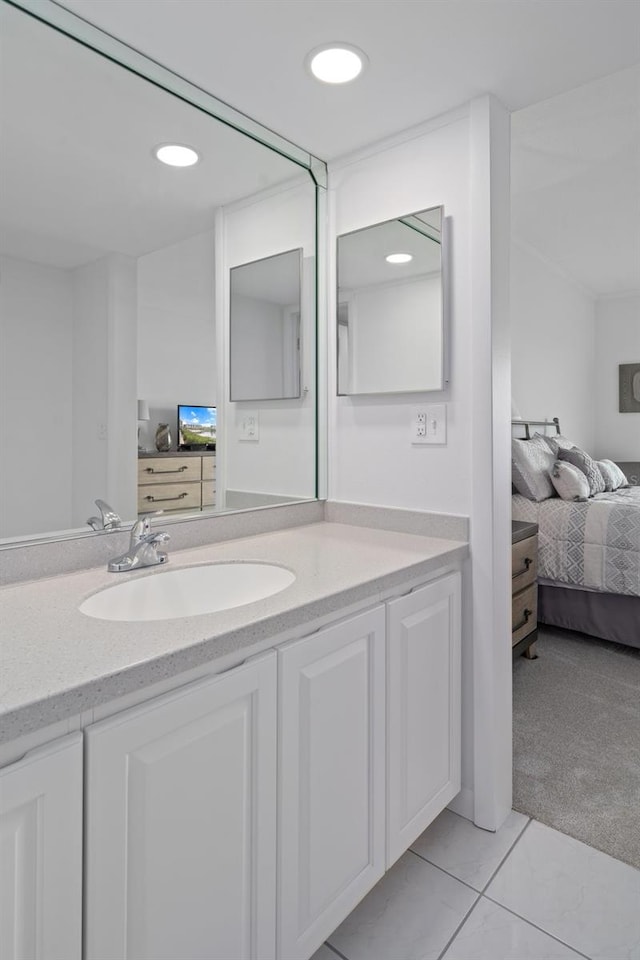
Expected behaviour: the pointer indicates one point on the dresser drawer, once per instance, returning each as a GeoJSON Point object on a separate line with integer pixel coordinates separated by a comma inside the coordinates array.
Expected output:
{"type": "Point", "coordinates": [169, 496]}
{"type": "Point", "coordinates": [524, 613]}
{"type": "Point", "coordinates": [209, 494]}
{"type": "Point", "coordinates": [524, 563]}
{"type": "Point", "coordinates": [168, 469]}
{"type": "Point", "coordinates": [208, 468]}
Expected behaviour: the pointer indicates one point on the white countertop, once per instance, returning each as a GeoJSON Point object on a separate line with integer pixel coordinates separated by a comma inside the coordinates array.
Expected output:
{"type": "Point", "coordinates": [56, 662]}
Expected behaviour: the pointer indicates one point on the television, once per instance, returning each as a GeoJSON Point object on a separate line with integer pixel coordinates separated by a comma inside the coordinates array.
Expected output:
{"type": "Point", "coordinates": [196, 427]}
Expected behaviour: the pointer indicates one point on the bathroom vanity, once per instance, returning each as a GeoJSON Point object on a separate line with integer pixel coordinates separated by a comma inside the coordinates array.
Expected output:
{"type": "Point", "coordinates": [244, 777]}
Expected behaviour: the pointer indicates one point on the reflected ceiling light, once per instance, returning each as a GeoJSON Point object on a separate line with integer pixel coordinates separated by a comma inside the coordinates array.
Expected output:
{"type": "Point", "coordinates": [176, 155]}
{"type": "Point", "coordinates": [399, 258]}
{"type": "Point", "coordinates": [336, 62]}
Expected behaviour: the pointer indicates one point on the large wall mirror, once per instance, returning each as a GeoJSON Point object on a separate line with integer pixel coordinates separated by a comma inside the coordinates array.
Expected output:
{"type": "Point", "coordinates": [115, 289]}
{"type": "Point", "coordinates": [391, 331]}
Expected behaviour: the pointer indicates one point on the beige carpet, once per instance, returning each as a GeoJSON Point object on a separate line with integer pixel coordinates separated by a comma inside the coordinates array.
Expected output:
{"type": "Point", "coordinates": [576, 740]}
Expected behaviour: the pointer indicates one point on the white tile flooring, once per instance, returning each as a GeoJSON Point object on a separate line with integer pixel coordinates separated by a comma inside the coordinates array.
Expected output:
{"type": "Point", "coordinates": [526, 892]}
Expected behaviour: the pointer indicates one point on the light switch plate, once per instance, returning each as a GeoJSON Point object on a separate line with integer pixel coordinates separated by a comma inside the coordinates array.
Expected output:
{"type": "Point", "coordinates": [437, 423]}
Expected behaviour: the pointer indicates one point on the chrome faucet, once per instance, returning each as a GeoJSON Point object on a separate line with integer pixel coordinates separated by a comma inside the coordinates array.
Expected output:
{"type": "Point", "coordinates": [108, 519]}
{"type": "Point", "coordinates": [143, 549]}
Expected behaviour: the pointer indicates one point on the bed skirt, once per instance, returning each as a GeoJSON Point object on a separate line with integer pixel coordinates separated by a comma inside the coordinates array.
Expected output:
{"type": "Point", "coordinates": [610, 616]}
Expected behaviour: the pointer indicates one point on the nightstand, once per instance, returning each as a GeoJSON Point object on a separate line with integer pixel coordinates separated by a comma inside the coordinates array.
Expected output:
{"type": "Point", "coordinates": [524, 588]}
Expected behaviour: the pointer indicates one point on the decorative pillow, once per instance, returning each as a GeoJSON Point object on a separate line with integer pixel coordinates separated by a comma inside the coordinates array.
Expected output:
{"type": "Point", "coordinates": [587, 464]}
{"type": "Point", "coordinates": [558, 442]}
{"type": "Point", "coordinates": [531, 462]}
{"type": "Point", "coordinates": [569, 481]}
{"type": "Point", "coordinates": [612, 475]}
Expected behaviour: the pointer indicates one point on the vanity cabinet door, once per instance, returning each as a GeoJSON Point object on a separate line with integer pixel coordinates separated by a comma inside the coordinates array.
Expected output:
{"type": "Point", "coordinates": [41, 853]}
{"type": "Point", "coordinates": [181, 823]}
{"type": "Point", "coordinates": [423, 696]}
{"type": "Point", "coordinates": [331, 778]}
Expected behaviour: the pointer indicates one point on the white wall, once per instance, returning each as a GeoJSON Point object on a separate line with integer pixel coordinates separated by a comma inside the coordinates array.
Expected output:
{"type": "Point", "coordinates": [176, 331]}
{"type": "Point", "coordinates": [36, 436]}
{"type": "Point", "coordinates": [104, 407]}
{"type": "Point", "coordinates": [617, 341]}
{"type": "Point", "coordinates": [283, 461]}
{"type": "Point", "coordinates": [460, 161]}
{"type": "Point", "coordinates": [553, 354]}
{"type": "Point", "coordinates": [375, 431]}
{"type": "Point", "coordinates": [395, 336]}
{"type": "Point", "coordinates": [257, 356]}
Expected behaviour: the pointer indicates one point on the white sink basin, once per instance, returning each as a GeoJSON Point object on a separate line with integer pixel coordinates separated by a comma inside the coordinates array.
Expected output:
{"type": "Point", "coordinates": [188, 591]}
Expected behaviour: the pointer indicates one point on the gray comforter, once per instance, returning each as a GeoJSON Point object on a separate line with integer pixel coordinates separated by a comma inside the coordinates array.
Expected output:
{"type": "Point", "coordinates": [593, 544]}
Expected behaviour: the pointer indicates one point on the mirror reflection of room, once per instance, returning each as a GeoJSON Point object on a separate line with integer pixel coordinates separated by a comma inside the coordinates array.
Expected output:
{"type": "Point", "coordinates": [114, 304]}
{"type": "Point", "coordinates": [390, 306]}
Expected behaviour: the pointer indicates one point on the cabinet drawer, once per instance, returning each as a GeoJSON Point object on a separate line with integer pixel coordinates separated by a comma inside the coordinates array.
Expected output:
{"type": "Point", "coordinates": [169, 496]}
{"type": "Point", "coordinates": [208, 468]}
{"type": "Point", "coordinates": [524, 563]}
{"type": "Point", "coordinates": [208, 494]}
{"type": "Point", "coordinates": [524, 612]}
{"type": "Point", "coordinates": [168, 469]}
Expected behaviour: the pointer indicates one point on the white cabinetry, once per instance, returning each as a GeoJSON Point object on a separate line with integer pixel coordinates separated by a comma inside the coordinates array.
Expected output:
{"type": "Point", "coordinates": [423, 698]}
{"type": "Point", "coordinates": [41, 854]}
{"type": "Point", "coordinates": [181, 823]}
{"type": "Point", "coordinates": [331, 778]}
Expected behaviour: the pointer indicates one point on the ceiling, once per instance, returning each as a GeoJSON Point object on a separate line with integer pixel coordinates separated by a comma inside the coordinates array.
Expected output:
{"type": "Point", "coordinates": [565, 67]}
{"type": "Point", "coordinates": [425, 56]}
{"type": "Point", "coordinates": [561, 66]}
{"type": "Point", "coordinates": [575, 183]}
{"type": "Point", "coordinates": [77, 171]}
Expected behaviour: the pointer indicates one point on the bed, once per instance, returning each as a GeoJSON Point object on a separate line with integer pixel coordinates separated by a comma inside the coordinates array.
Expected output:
{"type": "Point", "coordinates": [588, 559]}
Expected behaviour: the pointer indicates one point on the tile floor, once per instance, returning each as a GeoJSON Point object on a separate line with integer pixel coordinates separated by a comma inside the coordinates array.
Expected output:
{"type": "Point", "coordinates": [524, 893]}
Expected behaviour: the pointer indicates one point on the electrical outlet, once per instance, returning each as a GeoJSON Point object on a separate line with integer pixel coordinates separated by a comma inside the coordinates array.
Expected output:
{"type": "Point", "coordinates": [419, 427]}
{"type": "Point", "coordinates": [249, 427]}
{"type": "Point", "coordinates": [429, 425]}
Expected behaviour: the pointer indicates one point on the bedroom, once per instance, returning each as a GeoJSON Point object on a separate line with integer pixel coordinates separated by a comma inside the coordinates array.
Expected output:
{"type": "Point", "coordinates": [575, 320]}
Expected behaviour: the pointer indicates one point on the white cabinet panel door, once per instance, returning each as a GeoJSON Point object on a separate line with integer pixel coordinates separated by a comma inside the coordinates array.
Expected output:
{"type": "Point", "coordinates": [331, 778]}
{"type": "Point", "coordinates": [41, 854]}
{"type": "Point", "coordinates": [181, 823]}
{"type": "Point", "coordinates": [423, 697]}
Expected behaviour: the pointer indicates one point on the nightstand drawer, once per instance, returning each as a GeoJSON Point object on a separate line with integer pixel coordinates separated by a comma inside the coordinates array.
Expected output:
{"type": "Point", "coordinates": [208, 468]}
{"type": "Point", "coordinates": [524, 613]}
{"type": "Point", "coordinates": [524, 563]}
{"type": "Point", "coordinates": [169, 469]}
{"type": "Point", "coordinates": [169, 496]}
{"type": "Point", "coordinates": [209, 494]}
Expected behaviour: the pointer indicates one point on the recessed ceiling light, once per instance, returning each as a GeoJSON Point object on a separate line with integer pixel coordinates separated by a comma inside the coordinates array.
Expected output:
{"type": "Point", "coordinates": [176, 155]}
{"type": "Point", "coordinates": [399, 258]}
{"type": "Point", "coordinates": [336, 62]}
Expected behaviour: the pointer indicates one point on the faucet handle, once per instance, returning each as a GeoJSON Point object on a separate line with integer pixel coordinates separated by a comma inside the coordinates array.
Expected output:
{"type": "Point", "coordinates": [140, 530]}
{"type": "Point", "coordinates": [108, 519]}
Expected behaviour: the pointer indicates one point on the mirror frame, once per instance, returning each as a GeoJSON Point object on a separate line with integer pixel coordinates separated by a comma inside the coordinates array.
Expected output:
{"type": "Point", "coordinates": [92, 37]}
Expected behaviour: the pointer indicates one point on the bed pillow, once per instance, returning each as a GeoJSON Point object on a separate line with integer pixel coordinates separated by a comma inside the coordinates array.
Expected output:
{"type": "Point", "coordinates": [612, 475]}
{"type": "Point", "coordinates": [531, 463]}
{"type": "Point", "coordinates": [570, 482]}
{"type": "Point", "coordinates": [580, 459]}
{"type": "Point", "coordinates": [558, 442]}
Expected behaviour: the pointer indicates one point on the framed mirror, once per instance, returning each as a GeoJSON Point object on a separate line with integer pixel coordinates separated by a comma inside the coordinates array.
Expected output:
{"type": "Point", "coordinates": [115, 286]}
{"type": "Point", "coordinates": [264, 335]}
{"type": "Point", "coordinates": [390, 317]}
